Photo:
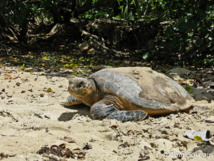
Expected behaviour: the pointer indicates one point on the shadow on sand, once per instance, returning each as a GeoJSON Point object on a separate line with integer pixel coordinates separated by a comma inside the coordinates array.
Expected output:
{"type": "Point", "coordinates": [81, 110]}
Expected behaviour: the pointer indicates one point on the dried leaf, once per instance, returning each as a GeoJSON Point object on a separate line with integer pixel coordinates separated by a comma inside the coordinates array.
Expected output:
{"type": "Point", "coordinates": [130, 132]}
{"type": "Point", "coordinates": [2, 156]}
{"type": "Point", "coordinates": [114, 126]}
{"type": "Point", "coordinates": [80, 156]}
{"type": "Point", "coordinates": [174, 134]}
{"type": "Point", "coordinates": [62, 146]}
{"type": "Point", "coordinates": [54, 147]}
{"type": "Point", "coordinates": [79, 151]}
{"type": "Point", "coordinates": [48, 90]}
{"type": "Point", "coordinates": [68, 139]}
{"type": "Point", "coordinates": [67, 153]}
{"type": "Point", "coordinates": [189, 83]}
{"type": "Point", "coordinates": [177, 125]}
{"type": "Point", "coordinates": [164, 132]}
{"type": "Point", "coordinates": [74, 73]}
{"type": "Point", "coordinates": [75, 65]}
{"type": "Point", "coordinates": [24, 80]}
{"type": "Point", "coordinates": [181, 81]}
{"type": "Point", "coordinates": [66, 66]}
{"type": "Point", "coordinates": [45, 58]}
{"type": "Point", "coordinates": [7, 76]}
{"type": "Point", "coordinates": [28, 70]}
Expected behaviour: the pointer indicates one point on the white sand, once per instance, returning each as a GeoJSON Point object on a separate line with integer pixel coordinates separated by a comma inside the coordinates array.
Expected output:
{"type": "Point", "coordinates": [29, 121]}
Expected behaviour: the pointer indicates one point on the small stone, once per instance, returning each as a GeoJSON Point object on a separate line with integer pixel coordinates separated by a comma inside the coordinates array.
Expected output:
{"type": "Point", "coordinates": [9, 96]}
{"type": "Point", "coordinates": [30, 90]}
{"type": "Point", "coordinates": [87, 146]}
{"type": "Point", "coordinates": [84, 46]}
{"type": "Point", "coordinates": [41, 95]}
{"type": "Point", "coordinates": [136, 72]}
{"type": "Point", "coordinates": [46, 130]}
{"type": "Point", "coordinates": [40, 69]}
{"type": "Point", "coordinates": [18, 84]}
{"type": "Point", "coordinates": [136, 77]}
{"type": "Point", "coordinates": [48, 71]}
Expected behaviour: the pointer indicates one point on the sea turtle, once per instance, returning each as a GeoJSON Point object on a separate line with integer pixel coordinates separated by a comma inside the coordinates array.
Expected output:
{"type": "Point", "coordinates": [128, 94]}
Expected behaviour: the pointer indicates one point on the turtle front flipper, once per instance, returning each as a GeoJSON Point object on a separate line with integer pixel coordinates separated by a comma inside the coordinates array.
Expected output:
{"type": "Point", "coordinates": [71, 101]}
{"type": "Point", "coordinates": [100, 111]}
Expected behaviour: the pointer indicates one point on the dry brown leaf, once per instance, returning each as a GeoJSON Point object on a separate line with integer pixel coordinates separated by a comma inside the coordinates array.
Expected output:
{"type": "Point", "coordinates": [130, 132]}
{"type": "Point", "coordinates": [177, 125]}
{"type": "Point", "coordinates": [174, 134]}
{"type": "Point", "coordinates": [164, 132]}
{"type": "Point", "coordinates": [181, 81]}
{"type": "Point", "coordinates": [7, 76]}
{"type": "Point", "coordinates": [62, 146]}
{"type": "Point", "coordinates": [41, 95]}
{"type": "Point", "coordinates": [114, 126]}
{"type": "Point", "coordinates": [24, 80]}
{"type": "Point", "coordinates": [68, 139]}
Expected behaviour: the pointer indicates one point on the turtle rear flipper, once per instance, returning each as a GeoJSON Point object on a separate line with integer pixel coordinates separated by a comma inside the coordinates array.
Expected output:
{"type": "Point", "coordinates": [100, 110]}
{"type": "Point", "coordinates": [71, 101]}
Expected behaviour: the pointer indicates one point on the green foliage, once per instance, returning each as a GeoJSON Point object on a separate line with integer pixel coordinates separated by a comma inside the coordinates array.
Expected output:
{"type": "Point", "coordinates": [189, 32]}
{"type": "Point", "coordinates": [24, 11]}
{"type": "Point", "coordinates": [189, 35]}
{"type": "Point", "coordinates": [192, 33]}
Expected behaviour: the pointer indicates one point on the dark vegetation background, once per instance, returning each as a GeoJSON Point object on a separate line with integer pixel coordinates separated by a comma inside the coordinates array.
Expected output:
{"type": "Point", "coordinates": [89, 33]}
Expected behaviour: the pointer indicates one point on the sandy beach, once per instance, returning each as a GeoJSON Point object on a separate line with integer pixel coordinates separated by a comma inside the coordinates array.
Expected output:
{"type": "Point", "coordinates": [31, 118]}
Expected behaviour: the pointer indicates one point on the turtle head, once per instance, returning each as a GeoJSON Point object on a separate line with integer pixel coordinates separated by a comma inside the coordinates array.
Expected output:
{"type": "Point", "coordinates": [80, 87]}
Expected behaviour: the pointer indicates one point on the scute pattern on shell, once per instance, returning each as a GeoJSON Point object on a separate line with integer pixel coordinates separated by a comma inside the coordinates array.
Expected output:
{"type": "Point", "coordinates": [143, 88]}
{"type": "Point", "coordinates": [125, 87]}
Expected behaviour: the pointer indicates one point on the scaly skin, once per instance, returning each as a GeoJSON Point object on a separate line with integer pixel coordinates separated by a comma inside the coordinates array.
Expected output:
{"type": "Point", "coordinates": [100, 111]}
{"type": "Point", "coordinates": [71, 101]}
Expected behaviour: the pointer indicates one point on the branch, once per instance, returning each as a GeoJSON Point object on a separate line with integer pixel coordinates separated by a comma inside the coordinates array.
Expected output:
{"type": "Point", "coordinates": [95, 39]}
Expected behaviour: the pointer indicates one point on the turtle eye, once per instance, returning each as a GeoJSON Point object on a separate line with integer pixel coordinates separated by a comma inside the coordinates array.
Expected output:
{"type": "Point", "coordinates": [80, 85]}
